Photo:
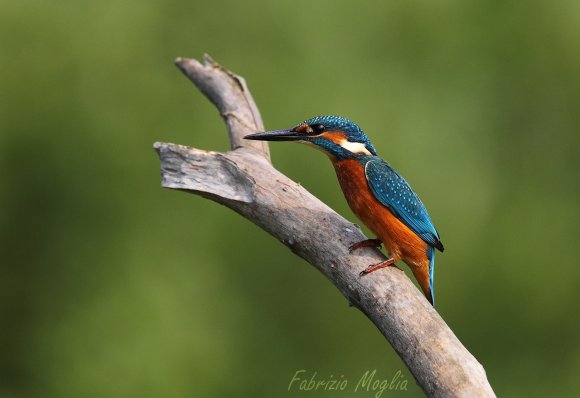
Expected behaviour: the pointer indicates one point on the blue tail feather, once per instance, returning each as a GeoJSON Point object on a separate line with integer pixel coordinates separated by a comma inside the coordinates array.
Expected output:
{"type": "Point", "coordinates": [431, 256]}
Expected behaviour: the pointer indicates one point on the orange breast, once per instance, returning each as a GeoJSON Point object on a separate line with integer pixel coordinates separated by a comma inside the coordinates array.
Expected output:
{"type": "Point", "coordinates": [401, 242]}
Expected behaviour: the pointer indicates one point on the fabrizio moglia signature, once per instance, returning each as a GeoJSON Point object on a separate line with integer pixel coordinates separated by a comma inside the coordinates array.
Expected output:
{"type": "Point", "coordinates": [368, 382]}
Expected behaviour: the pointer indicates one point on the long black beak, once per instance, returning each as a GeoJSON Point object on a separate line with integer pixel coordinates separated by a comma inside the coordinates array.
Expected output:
{"type": "Point", "coordinates": [276, 135]}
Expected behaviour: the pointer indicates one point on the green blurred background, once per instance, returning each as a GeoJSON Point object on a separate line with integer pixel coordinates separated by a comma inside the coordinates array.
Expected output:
{"type": "Point", "coordinates": [114, 287]}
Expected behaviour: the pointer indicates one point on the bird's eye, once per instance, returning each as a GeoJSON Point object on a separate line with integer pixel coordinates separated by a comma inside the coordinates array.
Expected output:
{"type": "Point", "coordinates": [318, 128]}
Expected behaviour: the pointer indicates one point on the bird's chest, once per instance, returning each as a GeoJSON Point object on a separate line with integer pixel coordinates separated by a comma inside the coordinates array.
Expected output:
{"type": "Point", "coordinates": [353, 181]}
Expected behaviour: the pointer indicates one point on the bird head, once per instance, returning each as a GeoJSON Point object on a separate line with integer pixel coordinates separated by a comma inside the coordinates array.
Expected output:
{"type": "Point", "coordinates": [338, 137]}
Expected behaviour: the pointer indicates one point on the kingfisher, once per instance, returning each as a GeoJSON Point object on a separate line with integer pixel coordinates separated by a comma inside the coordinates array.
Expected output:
{"type": "Point", "coordinates": [378, 195]}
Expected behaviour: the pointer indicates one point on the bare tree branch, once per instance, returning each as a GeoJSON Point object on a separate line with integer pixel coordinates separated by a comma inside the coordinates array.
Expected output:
{"type": "Point", "coordinates": [230, 94]}
{"type": "Point", "coordinates": [245, 181]}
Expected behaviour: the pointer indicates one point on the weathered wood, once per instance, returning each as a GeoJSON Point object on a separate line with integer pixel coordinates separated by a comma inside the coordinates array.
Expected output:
{"type": "Point", "coordinates": [245, 181]}
{"type": "Point", "coordinates": [230, 94]}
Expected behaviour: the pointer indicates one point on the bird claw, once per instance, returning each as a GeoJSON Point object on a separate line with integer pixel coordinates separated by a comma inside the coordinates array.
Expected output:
{"type": "Point", "coordinates": [374, 267]}
{"type": "Point", "coordinates": [376, 243]}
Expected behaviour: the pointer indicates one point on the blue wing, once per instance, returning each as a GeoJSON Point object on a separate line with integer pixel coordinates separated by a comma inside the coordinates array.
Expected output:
{"type": "Point", "coordinates": [395, 193]}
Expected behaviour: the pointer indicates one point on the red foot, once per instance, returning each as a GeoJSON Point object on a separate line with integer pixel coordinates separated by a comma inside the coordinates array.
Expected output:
{"type": "Point", "coordinates": [365, 243]}
{"type": "Point", "coordinates": [374, 267]}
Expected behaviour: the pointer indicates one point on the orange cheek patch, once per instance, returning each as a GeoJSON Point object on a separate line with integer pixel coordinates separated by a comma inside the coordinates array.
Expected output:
{"type": "Point", "coordinates": [335, 136]}
{"type": "Point", "coordinates": [302, 128]}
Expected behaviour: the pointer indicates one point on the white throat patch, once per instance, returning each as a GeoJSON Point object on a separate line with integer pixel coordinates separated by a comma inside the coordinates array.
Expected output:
{"type": "Point", "coordinates": [354, 147]}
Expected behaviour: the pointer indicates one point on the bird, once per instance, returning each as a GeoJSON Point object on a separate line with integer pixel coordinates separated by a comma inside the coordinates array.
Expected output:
{"type": "Point", "coordinates": [379, 196]}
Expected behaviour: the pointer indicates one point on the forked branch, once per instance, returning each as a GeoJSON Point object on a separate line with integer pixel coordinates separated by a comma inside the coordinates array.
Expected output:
{"type": "Point", "coordinates": [245, 181]}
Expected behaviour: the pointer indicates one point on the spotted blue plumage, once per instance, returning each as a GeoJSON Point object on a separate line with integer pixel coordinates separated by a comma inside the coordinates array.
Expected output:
{"type": "Point", "coordinates": [395, 193]}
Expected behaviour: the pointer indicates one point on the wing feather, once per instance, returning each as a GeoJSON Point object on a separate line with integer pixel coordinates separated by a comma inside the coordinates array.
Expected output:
{"type": "Point", "coordinates": [395, 193]}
